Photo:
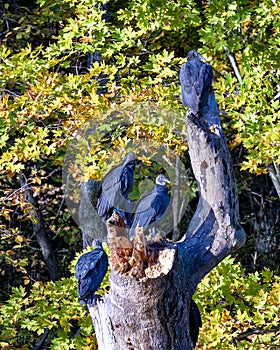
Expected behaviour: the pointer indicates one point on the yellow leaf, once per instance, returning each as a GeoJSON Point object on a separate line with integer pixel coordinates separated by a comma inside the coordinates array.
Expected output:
{"type": "Point", "coordinates": [36, 285]}
{"type": "Point", "coordinates": [10, 252]}
{"type": "Point", "coordinates": [86, 39]}
{"type": "Point", "coordinates": [19, 239]}
{"type": "Point", "coordinates": [6, 215]}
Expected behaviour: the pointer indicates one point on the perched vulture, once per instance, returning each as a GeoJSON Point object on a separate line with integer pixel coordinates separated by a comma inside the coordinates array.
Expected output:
{"type": "Point", "coordinates": [153, 205]}
{"type": "Point", "coordinates": [90, 271]}
{"type": "Point", "coordinates": [115, 189]}
{"type": "Point", "coordinates": [196, 82]}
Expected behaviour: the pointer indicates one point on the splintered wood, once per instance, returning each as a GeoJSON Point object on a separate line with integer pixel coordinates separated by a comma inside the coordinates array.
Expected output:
{"type": "Point", "coordinates": [138, 258]}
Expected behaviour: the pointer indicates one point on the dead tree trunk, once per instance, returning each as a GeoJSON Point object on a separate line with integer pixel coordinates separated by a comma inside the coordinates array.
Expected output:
{"type": "Point", "coordinates": [151, 312]}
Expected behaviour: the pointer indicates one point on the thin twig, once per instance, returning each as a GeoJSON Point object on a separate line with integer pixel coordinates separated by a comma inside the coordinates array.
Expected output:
{"type": "Point", "coordinates": [63, 199]}
{"type": "Point", "coordinates": [41, 341]}
{"type": "Point", "coordinates": [10, 93]}
{"type": "Point", "coordinates": [250, 332]}
{"type": "Point", "coordinates": [24, 186]}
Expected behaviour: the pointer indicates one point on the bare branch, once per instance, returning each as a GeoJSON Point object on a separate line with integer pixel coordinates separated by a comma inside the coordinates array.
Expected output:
{"type": "Point", "coordinates": [274, 173]}
{"type": "Point", "coordinates": [234, 64]}
{"type": "Point", "coordinates": [40, 230]}
{"type": "Point", "coordinates": [41, 341]}
{"type": "Point", "coordinates": [250, 332]}
{"type": "Point", "coordinates": [26, 184]}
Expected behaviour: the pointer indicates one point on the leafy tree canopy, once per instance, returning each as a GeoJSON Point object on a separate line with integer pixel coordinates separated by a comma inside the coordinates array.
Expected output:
{"type": "Point", "coordinates": [64, 63]}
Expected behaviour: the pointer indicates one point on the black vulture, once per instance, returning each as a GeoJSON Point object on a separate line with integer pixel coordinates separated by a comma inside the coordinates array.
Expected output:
{"type": "Point", "coordinates": [195, 322]}
{"type": "Point", "coordinates": [115, 189]}
{"type": "Point", "coordinates": [152, 206]}
{"type": "Point", "coordinates": [196, 82]}
{"type": "Point", "coordinates": [90, 271]}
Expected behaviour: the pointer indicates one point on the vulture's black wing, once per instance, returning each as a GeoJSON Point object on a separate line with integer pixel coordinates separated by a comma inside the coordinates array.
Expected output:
{"type": "Point", "coordinates": [115, 188]}
{"type": "Point", "coordinates": [90, 271]}
{"type": "Point", "coordinates": [87, 262]}
{"type": "Point", "coordinates": [151, 207]}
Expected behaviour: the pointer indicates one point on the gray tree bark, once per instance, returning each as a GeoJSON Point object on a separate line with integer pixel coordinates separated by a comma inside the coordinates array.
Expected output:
{"type": "Point", "coordinates": [150, 310]}
{"type": "Point", "coordinates": [89, 221]}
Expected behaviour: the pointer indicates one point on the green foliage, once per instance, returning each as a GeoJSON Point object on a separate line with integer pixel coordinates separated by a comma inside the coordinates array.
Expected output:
{"type": "Point", "coordinates": [250, 30]}
{"type": "Point", "coordinates": [255, 125]}
{"type": "Point", "coordinates": [239, 310]}
{"type": "Point", "coordinates": [50, 89]}
{"type": "Point", "coordinates": [145, 127]}
{"type": "Point", "coordinates": [51, 306]}
{"type": "Point", "coordinates": [139, 51]}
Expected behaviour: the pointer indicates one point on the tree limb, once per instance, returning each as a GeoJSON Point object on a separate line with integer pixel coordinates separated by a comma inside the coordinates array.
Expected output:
{"type": "Point", "coordinates": [234, 65]}
{"type": "Point", "coordinates": [40, 230]}
{"type": "Point", "coordinates": [274, 173]}
{"type": "Point", "coordinates": [250, 332]}
{"type": "Point", "coordinates": [214, 231]}
{"type": "Point", "coordinates": [89, 221]}
{"type": "Point", "coordinates": [41, 341]}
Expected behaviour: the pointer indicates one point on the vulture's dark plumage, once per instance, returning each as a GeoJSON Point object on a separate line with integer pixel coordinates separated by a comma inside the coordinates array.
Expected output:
{"type": "Point", "coordinates": [152, 206]}
{"type": "Point", "coordinates": [90, 271]}
{"type": "Point", "coordinates": [195, 322]}
{"type": "Point", "coordinates": [115, 189]}
{"type": "Point", "coordinates": [196, 82]}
